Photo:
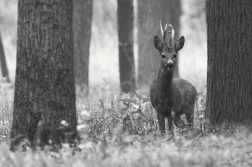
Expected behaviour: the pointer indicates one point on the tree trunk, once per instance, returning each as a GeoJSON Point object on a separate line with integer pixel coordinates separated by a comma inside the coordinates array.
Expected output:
{"type": "Point", "coordinates": [4, 69]}
{"type": "Point", "coordinates": [149, 14]}
{"type": "Point", "coordinates": [44, 95]}
{"type": "Point", "coordinates": [82, 36]}
{"type": "Point", "coordinates": [229, 88]}
{"type": "Point", "coordinates": [125, 36]}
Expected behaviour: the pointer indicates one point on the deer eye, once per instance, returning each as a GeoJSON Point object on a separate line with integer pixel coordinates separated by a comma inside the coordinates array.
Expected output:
{"type": "Point", "coordinates": [174, 55]}
{"type": "Point", "coordinates": [163, 56]}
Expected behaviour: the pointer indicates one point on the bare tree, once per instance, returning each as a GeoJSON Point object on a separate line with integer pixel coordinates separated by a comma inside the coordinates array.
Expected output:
{"type": "Point", "coordinates": [149, 14]}
{"type": "Point", "coordinates": [44, 96]}
{"type": "Point", "coordinates": [82, 35]}
{"type": "Point", "coordinates": [4, 68]}
{"type": "Point", "coordinates": [229, 89]}
{"type": "Point", "coordinates": [125, 36]}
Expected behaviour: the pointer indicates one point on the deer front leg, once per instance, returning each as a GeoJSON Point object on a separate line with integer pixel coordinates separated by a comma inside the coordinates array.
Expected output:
{"type": "Point", "coordinates": [168, 113]}
{"type": "Point", "coordinates": [161, 122]}
{"type": "Point", "coordinates": [170, 121]}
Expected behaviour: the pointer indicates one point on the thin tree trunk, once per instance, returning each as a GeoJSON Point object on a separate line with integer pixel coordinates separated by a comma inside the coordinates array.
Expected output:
{"type": "Point", "coordinates": [82, 36]}
{"type": "Point", "coordinates": [4, 69]}
{"type": "Point", "coordinates": [149, 14]}
{"type": "Point", "coordinates": [125, 36]}
{"type": "Point", "coordinates": [229, 88]}
{"type": "Point", "coordinates": [44, 93]}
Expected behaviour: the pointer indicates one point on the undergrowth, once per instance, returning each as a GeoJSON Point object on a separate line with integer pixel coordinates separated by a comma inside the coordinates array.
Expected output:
{"type": "Point", "coordinates": [122, 130]}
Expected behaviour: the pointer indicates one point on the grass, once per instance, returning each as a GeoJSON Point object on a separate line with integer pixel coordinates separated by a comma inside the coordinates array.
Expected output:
{"type": "Point", "coordinates": [121, 130]}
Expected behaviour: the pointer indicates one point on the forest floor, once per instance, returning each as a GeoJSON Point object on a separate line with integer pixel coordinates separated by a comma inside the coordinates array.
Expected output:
{"type": "Point", "coordinates": [122, 130]}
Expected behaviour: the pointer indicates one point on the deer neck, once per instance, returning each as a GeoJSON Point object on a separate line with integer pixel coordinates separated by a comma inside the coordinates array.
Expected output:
{"type": "Point", "coordinates": [164, 81]}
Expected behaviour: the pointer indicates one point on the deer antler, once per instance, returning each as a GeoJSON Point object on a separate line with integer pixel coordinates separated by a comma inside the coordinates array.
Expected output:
{"type": "Point", "coordinates": [163, 32]}
{"type": "Point", "coordinates": [172, 31]}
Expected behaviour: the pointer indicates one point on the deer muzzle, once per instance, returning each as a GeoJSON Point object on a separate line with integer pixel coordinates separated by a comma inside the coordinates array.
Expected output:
{"type": "Point", "coordinates": [169, 65]}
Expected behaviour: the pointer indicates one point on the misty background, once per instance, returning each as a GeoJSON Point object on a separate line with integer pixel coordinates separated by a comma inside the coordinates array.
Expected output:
{"type": "Point", "coordinates": [104, 63]}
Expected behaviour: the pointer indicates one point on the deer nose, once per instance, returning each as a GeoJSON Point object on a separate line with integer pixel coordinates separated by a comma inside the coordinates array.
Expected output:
{"type": "Point", "coordinates": [169, 64]}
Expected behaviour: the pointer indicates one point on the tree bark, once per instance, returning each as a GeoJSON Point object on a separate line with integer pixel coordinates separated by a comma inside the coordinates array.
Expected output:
{"type": "Point", "coordinates": [4, 68]}
{"type": "Point", "coordinates": [229, 88]}
{"type": "Point", "coordinates": [44, 94]}
{"type": "Point", "coordinates": [82, 36]}
{"type": "Point", "coordinates": [149, 14]}
{"type": "Point", "coordinates": [125, 39]}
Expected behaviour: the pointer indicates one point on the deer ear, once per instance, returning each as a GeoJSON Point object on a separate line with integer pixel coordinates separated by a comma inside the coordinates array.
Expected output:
{"type": "Point", "coordinates": [179, 45]}
{"type": "Point", "coordinates": [157, 43]}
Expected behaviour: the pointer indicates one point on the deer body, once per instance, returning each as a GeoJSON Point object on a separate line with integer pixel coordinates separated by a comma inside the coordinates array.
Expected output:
{"type": "Point", "coordinates": [168, 94]}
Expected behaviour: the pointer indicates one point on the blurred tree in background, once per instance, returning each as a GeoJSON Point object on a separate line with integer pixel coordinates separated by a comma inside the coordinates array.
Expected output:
{"type": "Point", "coordinates": [125, 20]}
{"type": "Point", "coordinates": [4, 69]}
{"type": "Point", "coordinates": [82, 20]}
{"type": "Point", "coordinates": [44, 92]}
{"type": "Point", "coordinates": [149, 14]}
{"type": "Point", "coordinates": [104, 63]}
{"type": "Point", "coordinates": [8, 28]}
{"type": "Point", "coordinates": [229, 37]}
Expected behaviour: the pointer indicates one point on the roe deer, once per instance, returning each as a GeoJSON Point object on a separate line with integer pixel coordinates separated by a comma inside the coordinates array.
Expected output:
{"type": "Point", "coordinates": [166, 93]}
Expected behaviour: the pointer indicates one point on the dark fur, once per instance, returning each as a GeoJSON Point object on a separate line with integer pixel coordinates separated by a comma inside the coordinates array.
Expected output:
{"type": "Point", "coordinates": [166, 93]}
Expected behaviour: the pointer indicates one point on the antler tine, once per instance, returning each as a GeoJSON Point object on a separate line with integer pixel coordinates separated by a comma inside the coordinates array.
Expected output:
{"type": "Point", "coordinates": [162, 31]}
{"type": "Point", "coordinates": [172, 31]}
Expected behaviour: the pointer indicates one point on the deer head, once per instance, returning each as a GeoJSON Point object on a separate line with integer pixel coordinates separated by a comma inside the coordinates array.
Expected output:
{"type": "Point", "coordinates": [168, 51]}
